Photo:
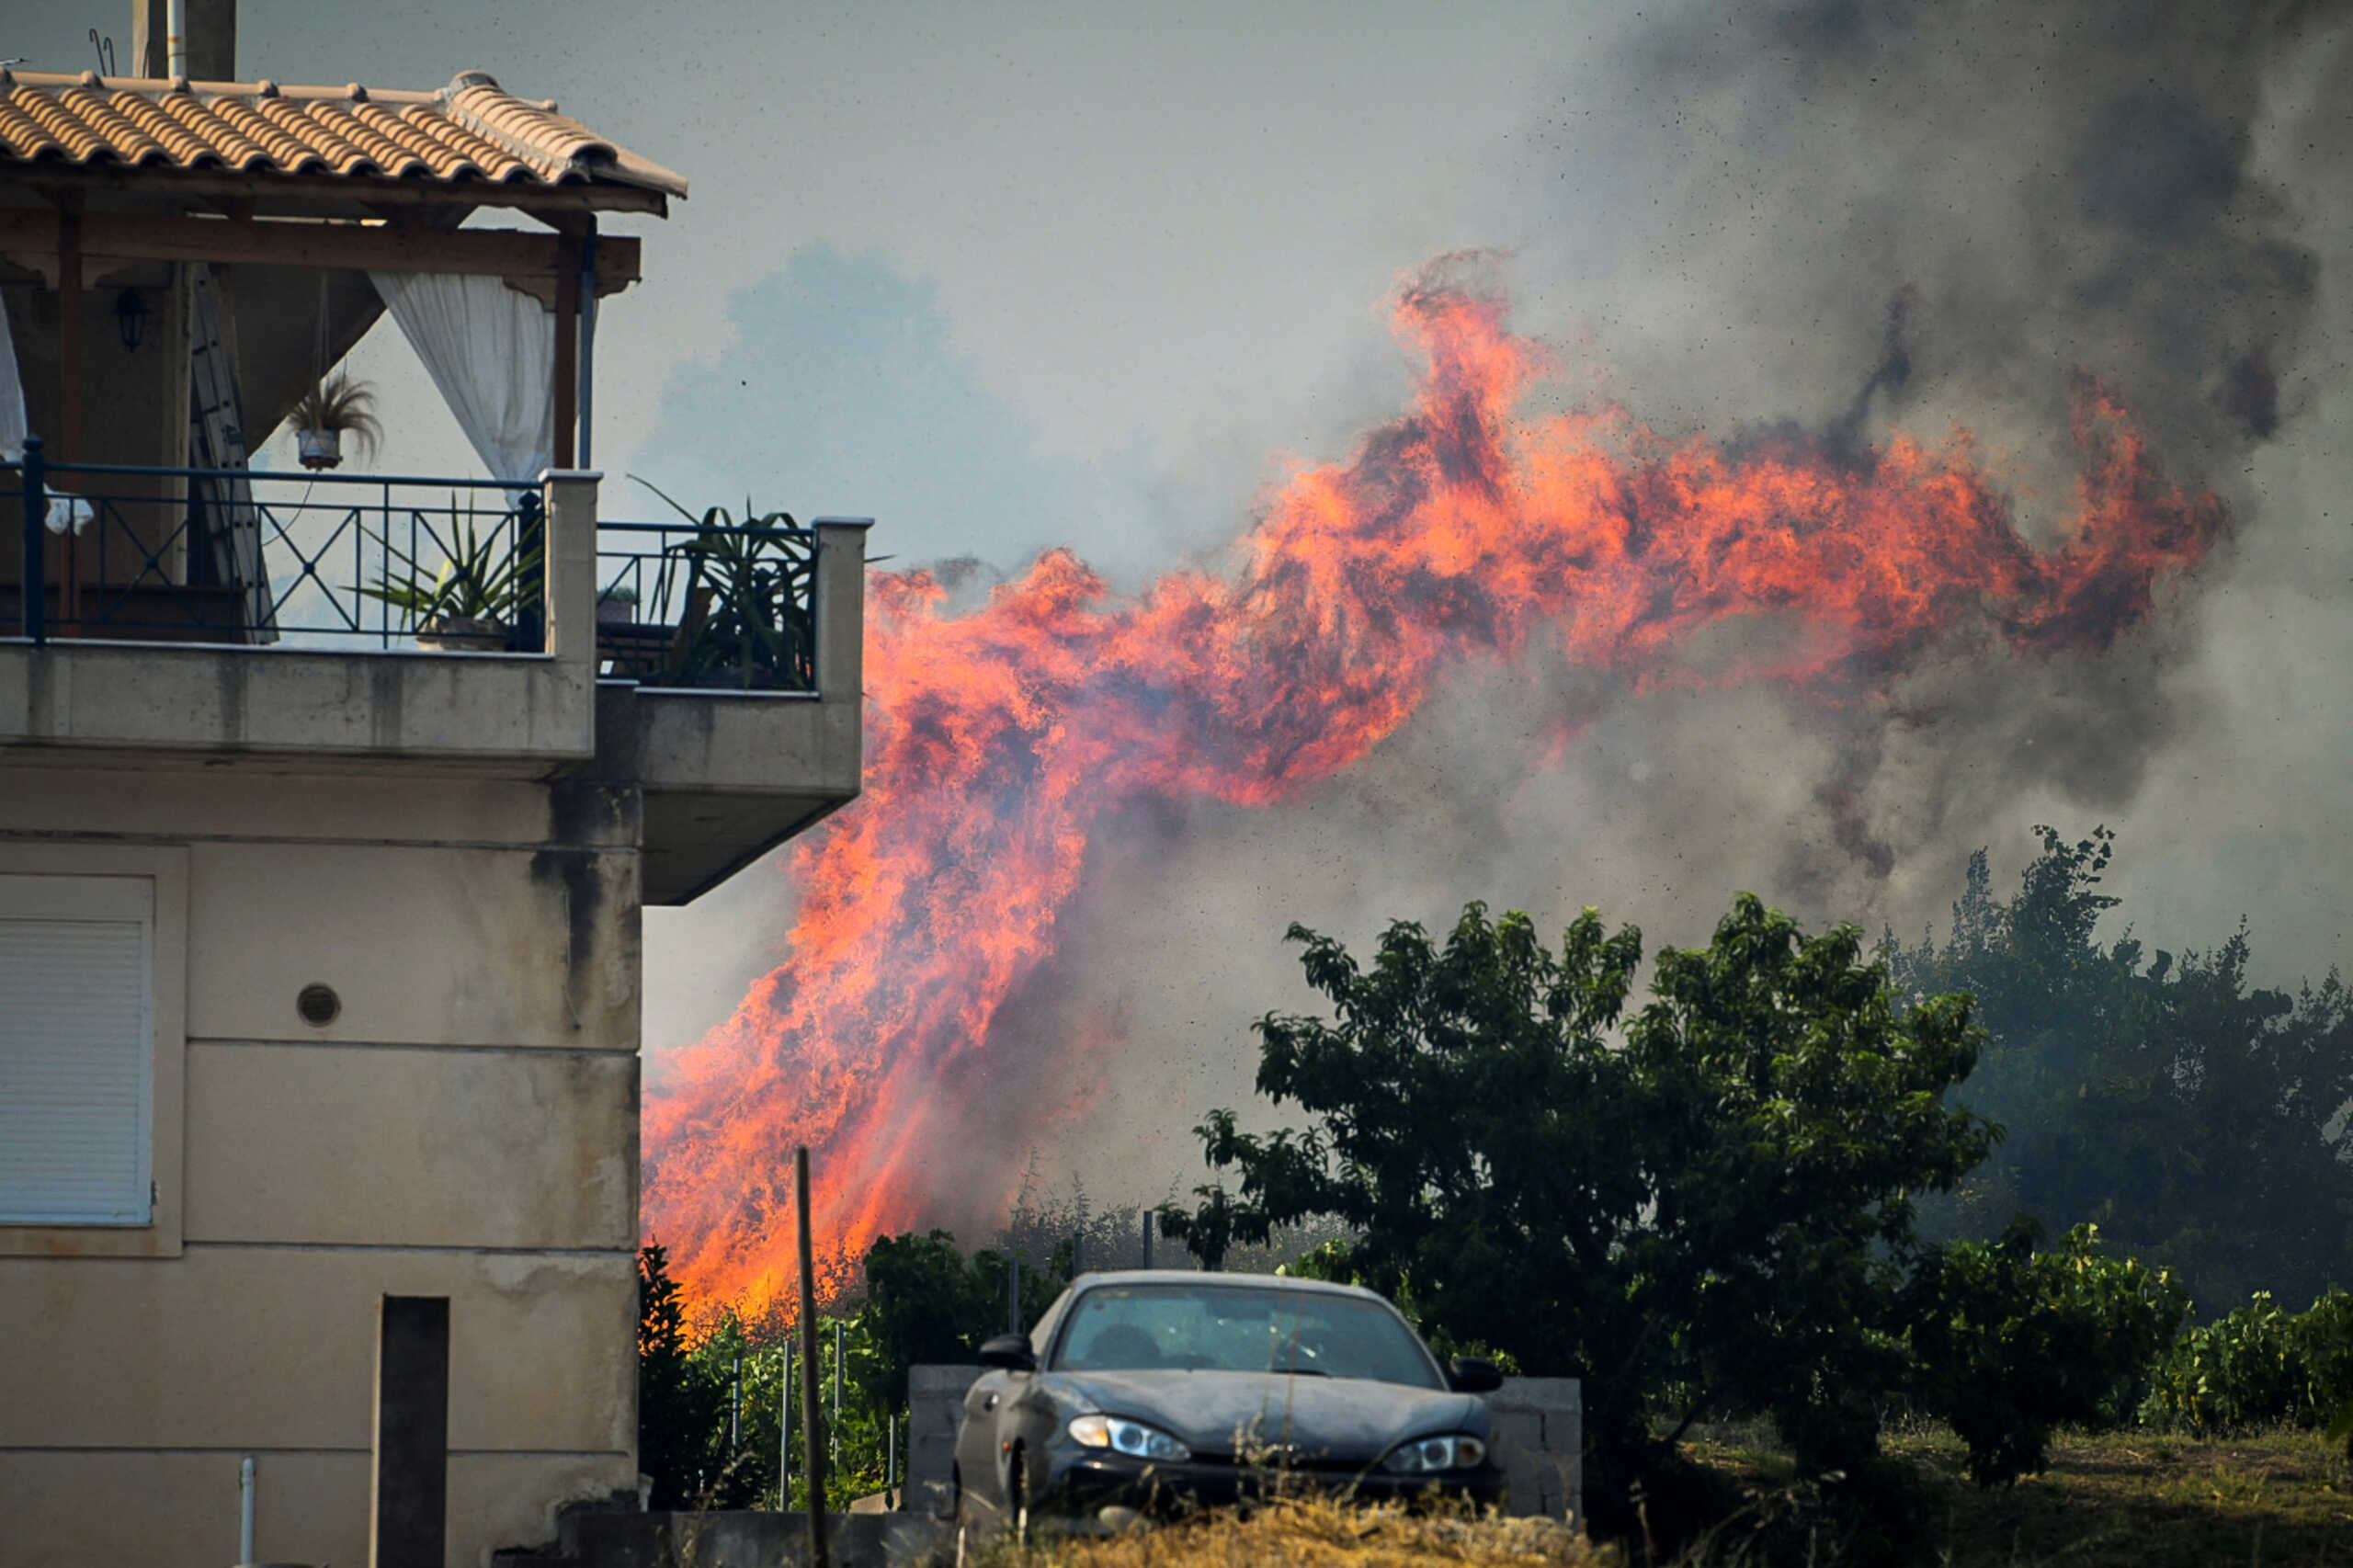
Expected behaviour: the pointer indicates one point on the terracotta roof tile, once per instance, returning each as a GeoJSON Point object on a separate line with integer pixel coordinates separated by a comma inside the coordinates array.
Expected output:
{"type": "Point", "coordinates": [472, 130]}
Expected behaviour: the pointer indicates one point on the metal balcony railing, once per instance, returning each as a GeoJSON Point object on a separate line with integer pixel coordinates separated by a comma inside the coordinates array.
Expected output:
{"type": "Point", "coordinates": [249, 557]}
{"type": "Point", "coordinates": [714, 605]}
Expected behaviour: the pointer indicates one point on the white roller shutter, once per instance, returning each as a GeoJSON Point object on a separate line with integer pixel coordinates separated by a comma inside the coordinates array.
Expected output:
{"type": "Point", "coordinates": [76, 1037]}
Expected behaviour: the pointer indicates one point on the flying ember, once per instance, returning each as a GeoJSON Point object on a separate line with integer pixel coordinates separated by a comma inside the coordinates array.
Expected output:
{"type": "Point", "coordinates": [1000, 741]}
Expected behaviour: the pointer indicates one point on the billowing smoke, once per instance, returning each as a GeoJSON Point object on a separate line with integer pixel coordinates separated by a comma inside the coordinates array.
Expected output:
{"type": "Point", "coordinates": [1849, 217]}
{"type": "Point", "coordinates": [1817, 234]}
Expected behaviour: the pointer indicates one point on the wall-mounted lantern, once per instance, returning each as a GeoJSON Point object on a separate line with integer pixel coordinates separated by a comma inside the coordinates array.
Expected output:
{"type": "Point", "coordinates": [131, 316]}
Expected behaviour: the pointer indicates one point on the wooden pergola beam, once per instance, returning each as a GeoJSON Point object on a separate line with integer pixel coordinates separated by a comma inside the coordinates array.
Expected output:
{"type": "Point", "coordinates": [519, 255]}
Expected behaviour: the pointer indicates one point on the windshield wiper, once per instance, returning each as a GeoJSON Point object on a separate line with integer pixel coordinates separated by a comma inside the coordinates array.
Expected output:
{"type": "Point", "coordinates": [1301, 1371]}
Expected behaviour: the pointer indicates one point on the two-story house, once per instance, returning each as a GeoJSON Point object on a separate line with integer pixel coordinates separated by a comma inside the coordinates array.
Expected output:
{"type": "Point", "coordinates": [329, 802]}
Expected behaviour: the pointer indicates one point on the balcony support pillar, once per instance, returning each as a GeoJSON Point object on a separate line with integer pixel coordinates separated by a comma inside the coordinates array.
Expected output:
{"type": "Point", "coordinates": [570, 497]}
{"type": "Point", "coordinates": [840, 607]}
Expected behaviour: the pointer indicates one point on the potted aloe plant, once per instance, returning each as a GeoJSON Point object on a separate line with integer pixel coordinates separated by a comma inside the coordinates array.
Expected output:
{"type": "Point", "coordinates": [334, 407]}
{"type": "Point", "coordinates": [470, 604]}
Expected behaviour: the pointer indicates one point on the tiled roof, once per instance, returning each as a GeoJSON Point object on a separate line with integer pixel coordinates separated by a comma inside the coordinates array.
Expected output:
{"type": "Point", "coordinates": [472, 130]}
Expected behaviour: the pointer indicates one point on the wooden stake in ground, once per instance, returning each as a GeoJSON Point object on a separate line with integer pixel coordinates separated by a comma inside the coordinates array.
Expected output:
{"type": "Point", "coordinates": [813, 1420]}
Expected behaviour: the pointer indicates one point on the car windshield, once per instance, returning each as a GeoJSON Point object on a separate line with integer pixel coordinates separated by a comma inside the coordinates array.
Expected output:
{"type": "Point", "coordinates": [1234, 1328]}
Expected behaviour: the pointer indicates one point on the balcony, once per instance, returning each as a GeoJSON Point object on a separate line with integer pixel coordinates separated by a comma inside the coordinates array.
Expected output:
{"type": "Point", "coordinates": [228, 617]}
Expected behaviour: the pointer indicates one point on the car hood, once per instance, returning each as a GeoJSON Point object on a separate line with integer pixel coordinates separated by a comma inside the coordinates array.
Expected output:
{"type": "Point", "coordinates": [1332, 1419]}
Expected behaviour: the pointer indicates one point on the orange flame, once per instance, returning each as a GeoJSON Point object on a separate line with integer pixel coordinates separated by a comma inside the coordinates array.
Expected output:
{"type": "Point", "coordinates": [999, 740]}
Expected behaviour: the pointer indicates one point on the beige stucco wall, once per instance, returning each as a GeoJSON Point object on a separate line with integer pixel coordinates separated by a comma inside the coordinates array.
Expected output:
{"type": "Point", "coordinates": [465, 1126]}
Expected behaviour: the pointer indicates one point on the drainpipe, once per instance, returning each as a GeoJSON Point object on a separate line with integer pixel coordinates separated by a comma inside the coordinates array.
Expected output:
{"type": "Point", "coordinates": [587, 339]}
{"type": "Point", "coordinates": [176, 63]}
{"type": "Point", "coordinates": [246, 1465]}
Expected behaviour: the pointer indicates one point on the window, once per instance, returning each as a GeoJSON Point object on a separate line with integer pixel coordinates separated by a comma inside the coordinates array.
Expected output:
{"type": "Point", "coordinates": [78, 977]}
{"type": "Point", "coordinates": [1238, 1328]}
{"type": "Point", "coordinates": [93, 1048]}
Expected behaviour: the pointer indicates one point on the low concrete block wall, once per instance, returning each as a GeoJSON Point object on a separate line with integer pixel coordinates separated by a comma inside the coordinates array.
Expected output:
{"type": "Point", "coordinates": [1540, 1436]}
{"type": "Point", "coordinates": [1539, 1430]}
{"type": "Point", "coordinates": [934, 1409]}
{"type": "Point", "coordinates": [747, 1539]}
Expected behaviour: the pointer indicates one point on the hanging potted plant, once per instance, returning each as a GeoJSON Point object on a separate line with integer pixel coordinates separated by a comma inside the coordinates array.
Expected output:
{"type": "Point", "coordinates": [335, 406]}
{"type": "Point", "coordinates": [470, 604]}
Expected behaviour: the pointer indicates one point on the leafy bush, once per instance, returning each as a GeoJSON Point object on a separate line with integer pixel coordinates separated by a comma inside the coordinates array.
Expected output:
{"type": "Point", "coordinates": [2012, 1342]}
{"type": "Point", "coordinates": [2260, 1366]}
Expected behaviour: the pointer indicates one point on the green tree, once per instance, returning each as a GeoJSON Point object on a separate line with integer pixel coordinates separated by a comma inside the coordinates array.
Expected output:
{"type": "Point", "coordinates": [2196, 1118]}
{"type": "Point", "coordinates": [927, 1301]}
{"type": "Point", "coordinates": [679, 1405]}
{"type": "Point", "coordinates": [1712, 1213]}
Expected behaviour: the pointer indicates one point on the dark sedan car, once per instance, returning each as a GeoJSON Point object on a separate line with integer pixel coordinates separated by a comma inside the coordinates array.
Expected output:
{"type": "Point", "coordinates": [1156, 1389]}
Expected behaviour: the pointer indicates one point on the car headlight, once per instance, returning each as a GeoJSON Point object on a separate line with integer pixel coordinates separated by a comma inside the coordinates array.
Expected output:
{"type": "Point", "coordinates": [1430, 1456]}
{"type": "Point", "coordinates": [1132, 1438]}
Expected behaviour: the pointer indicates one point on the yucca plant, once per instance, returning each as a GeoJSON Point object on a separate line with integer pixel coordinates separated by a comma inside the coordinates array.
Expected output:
{"type": "Point", "coordinates": [758, 632]}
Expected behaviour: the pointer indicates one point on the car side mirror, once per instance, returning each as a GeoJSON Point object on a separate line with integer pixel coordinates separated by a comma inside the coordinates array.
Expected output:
{"type": "Point", "coordinates": [1008, 1353]}
{"type": "Point", "coordinates": [1473, 1374]}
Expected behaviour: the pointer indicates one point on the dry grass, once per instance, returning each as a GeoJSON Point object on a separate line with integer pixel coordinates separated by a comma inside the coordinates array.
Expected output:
{"type": "Point", "coordinates": [2132, 1500]}
{"type": "Point", "coordinates": [1314, 1533]}
{"type": "Point", "coordinates": [2280, 1499]}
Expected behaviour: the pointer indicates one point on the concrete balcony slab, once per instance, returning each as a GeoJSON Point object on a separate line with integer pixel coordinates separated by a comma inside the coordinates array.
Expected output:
{"type": "Point", "coordinates": [528, 715]}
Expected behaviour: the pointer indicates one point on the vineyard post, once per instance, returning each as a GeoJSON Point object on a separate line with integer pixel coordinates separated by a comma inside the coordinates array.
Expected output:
{"type": "Point", "coordinates": [784, 1434]}
{"type": "Point", "coordinates": [813, 1419]}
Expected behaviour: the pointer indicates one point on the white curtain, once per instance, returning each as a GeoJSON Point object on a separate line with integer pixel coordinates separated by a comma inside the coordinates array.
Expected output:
{"type": "Point", "coordinates": [64, 511]}
{"type": "Point", "coordinates": [12, 391]}
{"type": "Point", "coordinates": [490, 349]}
